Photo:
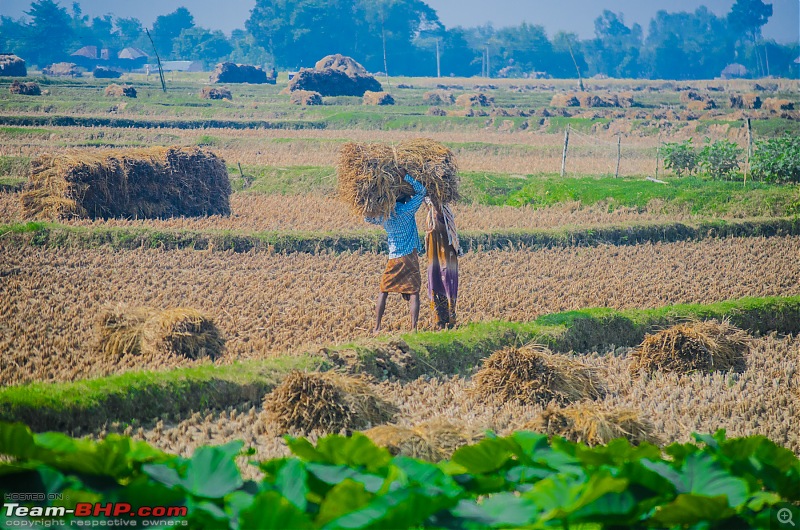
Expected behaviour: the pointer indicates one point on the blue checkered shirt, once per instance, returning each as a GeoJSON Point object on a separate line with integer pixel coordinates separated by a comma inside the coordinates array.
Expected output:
{"type": "Point", "coordinates": [401, 226]}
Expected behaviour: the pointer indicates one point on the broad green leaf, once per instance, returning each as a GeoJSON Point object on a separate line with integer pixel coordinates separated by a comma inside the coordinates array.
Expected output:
{"type": "Point", "coordinates": [527, 474]}
{"type": "Point", "coordinates": [212, 471]}
{"type": "Point", "coordinates": [689, 509]}
{"type": "Point", "coordinates": [762, 499]}
{"type": "Point", "coordinates": [344, 498]}
{"type": "Point", "coordinates": [560, 496]}
{"type": "Point", "coordinates": [16, 440]}
{"type": "Point", "coordinates": [355, 451]}
{"type": "Point", "coordinates": [333, 475]}
{"type": "Point", "coordinates": [236, 501]}
{"type": "Point", "coordinates": [162, 473]}
{"type": "Point", "coordinates": [484, 457]}
{"type": "Point", "coordinates": [270, 511]}
{"type": "Point", "coordinates": [428, 477]}
{"type": "Point", "coordinates": [403, 508]}
{"type": "Point", "coordinates": [700, 475]}
{"type": "Point", "coordinates": [291, 482]}
{"type": "Point", "coordinates": [611, 507]}
{"type": "Point", "coordinates": [501, 509]}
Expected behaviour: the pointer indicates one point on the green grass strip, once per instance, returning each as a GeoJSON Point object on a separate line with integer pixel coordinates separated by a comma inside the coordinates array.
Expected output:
{"type": "Point", "coordinates": [96, 121]}
{"type": "Point", "coordinates": [146, 395]}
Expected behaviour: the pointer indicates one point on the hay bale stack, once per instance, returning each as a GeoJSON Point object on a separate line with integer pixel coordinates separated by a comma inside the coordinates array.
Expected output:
{"type": "Point", "coordinates": [378, 98]}
{"type": "Point", "coordinates": [12, 66]}
{"type": "Point", "coordinates": [371, 176]}
{"type": "Point", "coordinates": [212, 92]}
{"type": "Point", "coordinates": [435, 111]}
{"type": "Point", "coordinates": [341, 63]}
{"type": "Point", "coordinates": [26, 89]}
{"type": "Point", "coordinates": [120, 91]}
{"type": "Point", "coordinates": [331, 82]}
{"type": "Point", "coordinates": [626, 100]}
{"type": "Point", "coordinates": [239, 73]}
{"type": "Point", "coordinates": [62, 70]}
{"type": "Point", "coordinates": [156, 182]}
{"type": "Point", "coordinates": [706, 104]}
{"type": "Point", "coordinates": [695, 346]}
{"type": "Point", "coordinates": [105, 73]}
{"type": "Point", "coordinates": [306, 97]}
{"type": "Point", "coordinates": [593, 424]}
{"type": "Point", "coordinates": [746, 101]}
{"type": "Point", "coordinates": [433, 441]}
{"type": "Point", "coordinates": [776, 104]}
{"type": "Point", "coordinates": [438, 97]}
{"type": "Point", "coordinates": [691, 95]}
{"type": "Point", "coordinates": [478, 99]}
{"type": "Point", "coordinates": [325, 402]}
{"type": "Point", "coordinates": [535, 374]}
{"type": "Point", "coordinates": [180, 331]}
{"type": "Point", "coordinates": [565, 100]}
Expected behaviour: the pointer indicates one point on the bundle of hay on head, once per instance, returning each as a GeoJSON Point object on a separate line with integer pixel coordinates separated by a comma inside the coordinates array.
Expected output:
{"type": "Point", "coordinates": [371, 175]}
{"type": "Point", "coordinates": [593, 424]}
{"type": "Point", "coordinates": [537, 375]}
{"type": "Point", "coordinates": [325, 402]}
{"type": "Point", "coordinates": [695, 346]}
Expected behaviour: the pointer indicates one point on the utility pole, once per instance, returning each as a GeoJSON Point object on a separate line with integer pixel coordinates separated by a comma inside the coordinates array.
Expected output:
{"type": "Point", "coordinates": [564, 155]}
{"type": "Point", "coordinates": [438, 62]}
{"type": "Point", "coordinates": [158, 59]}
{"type": "Point", "coordinates": [619, 153]}
{"type": "Point", "coordinates": [488, 68]}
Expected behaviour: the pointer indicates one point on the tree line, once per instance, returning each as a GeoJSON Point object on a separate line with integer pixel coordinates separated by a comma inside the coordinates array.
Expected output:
{"type": "Point", "coordinates": [406, 37]}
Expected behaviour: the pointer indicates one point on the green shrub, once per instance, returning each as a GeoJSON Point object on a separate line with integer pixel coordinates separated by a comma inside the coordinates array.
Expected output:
{"type": "Point", "coordinates": [720, 159]}
{"type": "Point", "coordinates": [777, 160]}
{"type": "Point", "coordinates": [681, 157]}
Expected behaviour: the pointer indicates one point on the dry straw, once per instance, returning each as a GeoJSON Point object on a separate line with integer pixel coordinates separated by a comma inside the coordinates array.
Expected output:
{"type": "Point", "coordinates": [371, 175]}
{"type": "Point", "coordinates": [593, 424]}
{"type": "Point", "coordinates": [212, 92]}
{"type": "Point", "coordinates": [694, 346]}
{"type": "Point", "coordinates": [11, 65]}
{"type": "Point", "coordinates": [432, 441]}
{"type": "Point", "coordinates": [156, 182]}
{"type": "Point", "coordinates": [119, 91]}
{"type": "Point", "coordinates": [378, 98]}
{"type": "Point", "coordinates": [26, 89]}
{"type": "Point", "coordinates": [180, 331]}
{"type": "Point", "coordinates": [535, 374]}
{"type": "Point", "coordinates": [325, 402]}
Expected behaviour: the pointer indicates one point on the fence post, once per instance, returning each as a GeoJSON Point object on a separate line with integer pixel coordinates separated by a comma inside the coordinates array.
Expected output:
{"type": "Point", "coordinates": [658, 153]}
{"type": "Point", "coordinates": [564, 155]}
{"type": "Point", "coordinates": [749, 151]}
{"type": "Point", "coordinates": [619, 153]}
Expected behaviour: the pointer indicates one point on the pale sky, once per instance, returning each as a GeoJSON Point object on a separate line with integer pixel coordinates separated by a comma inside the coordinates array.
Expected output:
{"type": "Point", "coordinates": [569, 15]}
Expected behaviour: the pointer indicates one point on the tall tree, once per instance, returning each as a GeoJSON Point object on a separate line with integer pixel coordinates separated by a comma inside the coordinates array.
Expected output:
{"type": "Point", "coordinates": [168, 27]}
{"type": "Point", "coordinates": [201, 44]}
{"type": "Point", "coordinates": [130, 32]}
{"type": "Point", "coordinates": [615, 50]}
{"type": "Point", "coordinates": [745, 20]}
{"type": "Point", "coordinates": [50, 36]}
{"type": "Point", "coordinates": [525, 46]}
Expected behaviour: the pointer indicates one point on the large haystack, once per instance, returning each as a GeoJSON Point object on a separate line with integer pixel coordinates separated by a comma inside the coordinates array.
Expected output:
{"type": "Point", "coordinates": [378, 98]}
{"type": "Point", "coordinates": [371, 176]}
{"type": "Point", "coordinates": [776, 104]}
{"type": "Point", "coordinates": [305, 97]}
{"type": "Point", "coordinates": [180, 331]}
{"type": "Point", "coordinates": [156, 182]}
{"type": "Point", "coordinates": [342, 63]}
{"type": "Point", "coordinates": [212, 92]}
{"type": "Point", "coordinates": [120, 91]}
{"type": "Point", "coordinates": [478, 99]}
{"type": "Point", "coordinates": [26, 89]}
{"type": "Point", "coordinates": [325, 402]}
{"type": "Point", "coordinates": [432, 441]}
{"type": "Point", "coordinates": [593, 424]}
{"type": "Point", "coordinates": [331, 82]}
{"type": "Point", "coordinates": [62, 70]}
{"type": "Point", "coordinates": [106, 73]}
{"type": "Point", "coordinates": [746, 101]}
{"type": "Point", "coordinates": [694, 346]}
{"type": "Point", "coordinates": [535, 374]}
{"type": "Point", "coordinates": [12, 66]}
{"type": "Point", "coordinates": [239, 73]}
{"type": "Point", "coordinates": [438, 97]}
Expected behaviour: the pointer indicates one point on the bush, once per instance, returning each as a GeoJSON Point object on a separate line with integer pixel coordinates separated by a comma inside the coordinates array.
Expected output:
{"type": "Point", "coordinates": [681, 158]}
{"type": "Point", "coordinates": [720, 160]}
{"type": "Point", "coordinates": [777, 160]}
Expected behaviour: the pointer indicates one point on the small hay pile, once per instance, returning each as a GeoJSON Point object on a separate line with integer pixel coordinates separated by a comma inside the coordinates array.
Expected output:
{"type": "Point", "coordinates": [435, 111]}
{"type": "Point", "coordinates": [305, 97]}
{"type": "Point", "coordinates": [156, 182]}
{"type": "Point", "coordinates": [26, 89]}
{"type": "Point", "coordinates": [776, 104]}
{"type": "Point", "coordinates": [371, 175]}
{"type": "Point", "coordinates": [180, 331]}
{"type": "Point", "coordinates": [432, 441]}
{"type": "Point", "coordinates": [535, 374]}
{"type": "Point", "coordinates": [746, 101]}
{"type": "Point", "coordinates": [12, 66]}
{"type": "Point", "coordinates": [625, 100]}
{"type": "Point", "coordinates": [325, 402]}
{"type": "Point", "coordinates": [691, 95]}
{"type": "Point", "coordinates": [342, 63]}
{"type": "Point", "coordinates": [593, 424]}
{"type": "Point", "coordinates": [378, 98]}
{"type": "Point", "coordinates": [209, 92]}
{"type": "Point", "coordinates": [565, 100]}
{"type": "Point", "coordinates": [438, 97]}
{"type": "Point", "coordinates": [705, 346]}
{"type": "Point", "coordinates": [478, 99]}
{"type": "Point", "coordinates": [705, 104]}
{"type": "Point", "coordinates": [62, 70]}
{"type": "Point", "coordinates": [106, 73]}
{"type": "Point", "coordinates": [239, 73]}
{"type": "Point", "coordinates": [120, 91]}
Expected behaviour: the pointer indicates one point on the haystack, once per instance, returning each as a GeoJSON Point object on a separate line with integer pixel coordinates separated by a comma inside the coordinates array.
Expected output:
{"type": "Point", "coordinates": [239, 73]}
{"type": "Point", "coordinates": [62, 70]}
{"type": "Point", "coordinates": [535, 374]}
{"type": "Point", "coordinates": [478, 99]}
{"type": "Point", "coordinates": [691, 95]}
{"type": "Point", "coordinates": [777, 104]}
{"type": "Point", "coordinates": [432, 441]}
{"type": "Point", "coordinates": [565, 100]}
{"type": "Point", "coordinates": [180, 331]}
{"type": "Point", "coordinates": [626, 100]}
{"type": "Point", "coordinates": [746, 101]}
{"type": "Point", "coordinates": [593, 424]}
{"type": "Point", "coordinates": [438, 97]}
{"type": "Point", "coordinates": [106, 73]}
{"type": "Point", "coordinates": [209, 92]}
{"type": "Point", "coordinates": [120, 91]}
{"type": "Point", "coordinates": [698, 105]}
{"type": "Point", "coordinates": [156, 182]}
{"type": "Point", "coordinates": [325, 402]}
{"type": "Point", "coordinates": [435, 111]}
{"type": "Point", "coordinates": [342, 63]}
{"type": "Point", "coordinates": [378, 98]}
{"type": "Point", "coordinates": [26, 89]}
{"type": "Point", "coordinates": [694, 346]}
{"type": "Point", "coordinates": [331, 82]}
{"type": "Point", "coordinates": [12, 66]}
{"type": "Point", "coordinates": [305, 97]}
{"type": "Point", "coordinates": [371, 176]}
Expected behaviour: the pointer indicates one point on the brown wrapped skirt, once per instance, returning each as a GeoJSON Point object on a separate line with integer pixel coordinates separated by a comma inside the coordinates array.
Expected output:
{"type": "Point", "coordinates": [402, 275]}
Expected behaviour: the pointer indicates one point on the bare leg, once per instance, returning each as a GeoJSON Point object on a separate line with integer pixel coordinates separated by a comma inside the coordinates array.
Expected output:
{"type": "Point", "coordinates": [380, 307]}
{"type": "Point", "coordinates": [413, 305]}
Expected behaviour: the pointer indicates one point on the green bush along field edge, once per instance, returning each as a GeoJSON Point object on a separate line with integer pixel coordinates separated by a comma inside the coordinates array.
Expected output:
{"type": "Point", "coordinates": [145, 395]}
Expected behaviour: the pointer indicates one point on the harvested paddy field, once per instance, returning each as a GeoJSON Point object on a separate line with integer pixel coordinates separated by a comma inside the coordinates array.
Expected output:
{"type": "Point", "coordinates": [267, 304]}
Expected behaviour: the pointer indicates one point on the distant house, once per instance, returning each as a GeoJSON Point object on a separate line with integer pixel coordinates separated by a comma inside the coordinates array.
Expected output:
{"type": "Point", "coordinates": [733, 71]}
{"type": "Point", "coordinates": [86, 57]}
{"type": "Point", "coordinates": [90, 57]}
{"type": "Point", "coordinates": [179, 66]}
{"type": "Point", "coordinates": [132, 58]}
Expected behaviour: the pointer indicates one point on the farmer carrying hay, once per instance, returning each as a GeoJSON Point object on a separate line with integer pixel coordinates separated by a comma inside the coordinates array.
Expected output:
{"type": "Point", "coordinates": [441, 243]}
{"type": "Point", "coordinates": [402, 270]}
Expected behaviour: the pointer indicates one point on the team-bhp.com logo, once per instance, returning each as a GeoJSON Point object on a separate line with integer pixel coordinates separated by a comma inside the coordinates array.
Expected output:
{"type": "Point", "coordinates": [86, 514]}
